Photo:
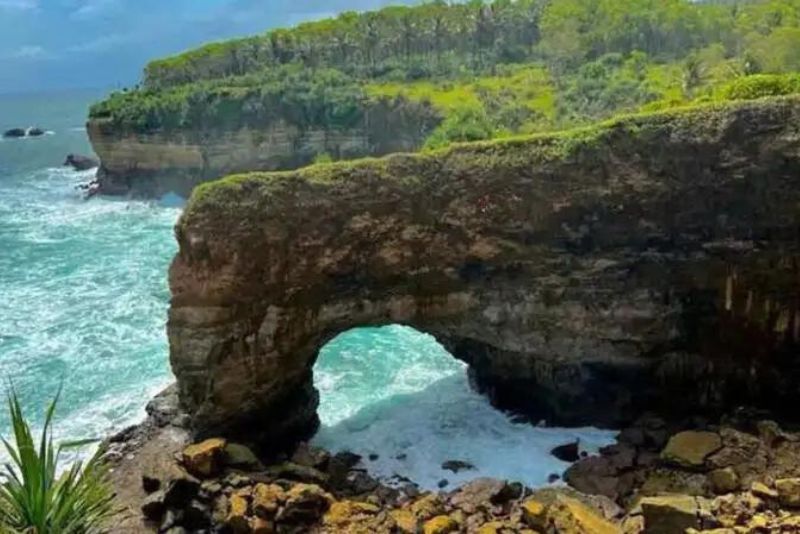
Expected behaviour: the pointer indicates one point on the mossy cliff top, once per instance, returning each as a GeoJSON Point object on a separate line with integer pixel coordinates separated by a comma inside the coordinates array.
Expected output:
{"type": "Point", "coordinates": [244, 195]}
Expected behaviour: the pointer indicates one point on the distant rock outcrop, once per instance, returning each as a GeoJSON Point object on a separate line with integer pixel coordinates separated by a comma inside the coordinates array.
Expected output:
{"type": "Point", "coordinates": [14, 133]}
{"type": "Point", "coordinates": [649, 263]}
{"type": "Point", "coordinates": [81, 163]}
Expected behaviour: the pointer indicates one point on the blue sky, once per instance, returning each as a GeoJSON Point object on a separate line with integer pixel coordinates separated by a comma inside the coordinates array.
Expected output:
{"type": "Point", "coordinates": [58, 44]}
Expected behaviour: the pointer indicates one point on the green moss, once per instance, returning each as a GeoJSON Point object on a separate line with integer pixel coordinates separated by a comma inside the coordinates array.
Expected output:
{"type": "Point", "coordinates": [519, 152]}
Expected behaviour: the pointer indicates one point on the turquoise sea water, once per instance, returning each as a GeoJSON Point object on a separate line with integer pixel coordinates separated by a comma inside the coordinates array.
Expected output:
{"type": "Point", "coordinates": [83, 301]}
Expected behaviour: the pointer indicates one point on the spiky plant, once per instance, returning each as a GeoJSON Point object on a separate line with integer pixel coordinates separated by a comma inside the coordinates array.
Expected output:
{"type": "Point", "coordinates": [35, 498]}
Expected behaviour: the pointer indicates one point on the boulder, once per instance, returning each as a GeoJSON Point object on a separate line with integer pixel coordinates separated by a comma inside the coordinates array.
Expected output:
{"type": "Point", "coordinates": [205, 459]}
{"type": "Point", "coordinates": [81, 163]}
{"type": "Point", "coordinates": [405, 521]}
{"type": "Point", "coordinates": [153, 506]}
{"type": "Point", "coordinates": [318, 458]}
{"type": "Point", "coordinates": [237, 455]}
{"type": "Point", "coordinates": [482, 494]}
{"type": "Point", "coordinates": [300, 473]}
{"type": "Point", "coordinates": [428, 506]}
{"type": "Point", "coordinates": [352, 516]}
{"type": "Point", "coordinates": [723, 481]}
{"type": "Point", "coordinates": [305, 503]}
{"type": "Point", "coordinates": [14, 133]}
{"type": "Point", "coordinates": [267, 499]}
{"type": "Point", "coordinates": [35, 132]}
{"type": "Point", "coordinates": [566, 515]}
{"type": "Point", "coordinates": [180, 491]}
{"type": "Point", "coordinates": [761, 490]}
{"type": "Point", "coordinates": [456, 466]}
{"type": "Point", "coordinates": [690, 449]}
{"type": "Point", "coordinates": [569, 452]}
{"type": "Point", "coordinates": [670, 514]}
{"type": "Point", "coordinates": [788, 492]}
{"type": "Point", "coordinates": [237, 519]}
{"type": "Point", "coordinates": [441, 524]}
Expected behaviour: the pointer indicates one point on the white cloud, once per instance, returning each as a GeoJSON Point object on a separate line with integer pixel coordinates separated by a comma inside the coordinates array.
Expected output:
{"type": "Point", "coordinates": [102, 44]}
{"type": "Point", "coordinates": [31, 52]}
{"type": "Point", "coordinates": [88, 9]}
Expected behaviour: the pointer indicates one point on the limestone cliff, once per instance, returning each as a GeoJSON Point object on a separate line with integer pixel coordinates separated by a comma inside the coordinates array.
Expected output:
{"type": "Point", "coordinates": [584, 276]}
{"type": "Point", "coordinates": [151, 163]}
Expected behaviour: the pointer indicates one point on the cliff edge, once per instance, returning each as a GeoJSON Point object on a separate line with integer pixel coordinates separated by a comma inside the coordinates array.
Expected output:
{"type": "Point", "coordinates": [648, 262]}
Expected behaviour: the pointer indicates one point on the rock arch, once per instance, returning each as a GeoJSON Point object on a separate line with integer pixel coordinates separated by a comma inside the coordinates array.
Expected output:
{"type": "Point", "coordinates": [583, 276]}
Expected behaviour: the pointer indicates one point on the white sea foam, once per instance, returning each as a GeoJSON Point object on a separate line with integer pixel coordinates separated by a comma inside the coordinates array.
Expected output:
{"type": "Point", "coordinates": [397, 393]}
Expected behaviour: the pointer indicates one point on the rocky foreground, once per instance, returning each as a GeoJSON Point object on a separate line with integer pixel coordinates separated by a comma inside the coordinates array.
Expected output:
{"type": "Point", "coordinates": [739, 476]}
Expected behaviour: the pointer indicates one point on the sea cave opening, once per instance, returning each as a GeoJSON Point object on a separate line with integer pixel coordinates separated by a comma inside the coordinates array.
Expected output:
{"type": "Point", "coordinates": [397, 398]}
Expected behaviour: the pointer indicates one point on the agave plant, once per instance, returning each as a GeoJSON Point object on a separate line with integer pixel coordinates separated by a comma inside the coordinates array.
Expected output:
{"type": "Point", "coordinates": [35, 498]}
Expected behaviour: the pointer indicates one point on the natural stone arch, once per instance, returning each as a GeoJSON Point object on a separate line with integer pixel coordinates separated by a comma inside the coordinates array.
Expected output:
{"type": "Point", "coordinates": [584, 277]}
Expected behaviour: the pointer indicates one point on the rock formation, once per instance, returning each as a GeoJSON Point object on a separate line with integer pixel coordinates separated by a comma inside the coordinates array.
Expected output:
{"type": "Point", "coordinates": [153, 163]}
{"type": "Point", "coordinates": [646, 263]}
{"type": "Point", "coordinates": [81, 163]}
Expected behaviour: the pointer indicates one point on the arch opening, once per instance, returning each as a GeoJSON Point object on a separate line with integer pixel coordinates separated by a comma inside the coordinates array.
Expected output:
{"type": "Point", "coordinates": [396, 397]}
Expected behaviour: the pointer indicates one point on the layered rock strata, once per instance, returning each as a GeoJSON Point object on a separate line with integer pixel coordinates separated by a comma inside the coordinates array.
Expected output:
{"type": "Point", "coordinates": [584, 277]}
{"type": "Point", "coordinates": [152, 163]}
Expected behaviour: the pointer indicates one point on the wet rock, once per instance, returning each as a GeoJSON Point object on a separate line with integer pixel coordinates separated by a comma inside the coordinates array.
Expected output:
{"type": "Point", "coordinates": [360, 482]}
{"type": "Point", "coordinates": [267, 499]}
{"type": "Point", "coordinates": [723, 480]}
{"type": "Point", "coordinates": [373, 457]}
{"type": "Point", "coordinates": [237, 455]}
{"type": "Point", "coordinates": [553, 478]}
{"type": "Point", "coordinates": [670, 514]}
{"type": "Point", "coordinates": [14, 133]}
{"type": "Point", "coordinates": [690, 449]}
{"type": "Point", "coordinates": [788, 492]}
{"type": "Point", "coordinates": [318, 458]}
{"type": "Point", "coordinates": [441, 524]}
{"type": "Point", "coordinates": [35, 132]}
{"type": "Point", "coordinates": [569, 452]}
{"type": "Point", "coordinates": [153, 506]}
{"type": "Point", "coordinates": [81, 163]}
{"type": "Point", "coordinates": [205, 459]}
{"type": "Point", "coordinates": [443, 483]}
{"type": "Point", "coordinates": [305, 503]}
{"type": "Point", "coordinates": [456, 466]}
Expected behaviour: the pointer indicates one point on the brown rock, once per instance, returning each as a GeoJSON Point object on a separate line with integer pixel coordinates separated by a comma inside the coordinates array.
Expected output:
{"type": "Point", "coordinates": [763, 491]}
{"type": "Point", "coordinates": [670, 514]}
{"type": "Point", "coordinates": [305, 503]}
{"type": "Point", "coordinates": [259, 525]}
{"type": "Point", "coordinates": [405, 521]}
{"type": "Point", "coordinates": [267, 499]}
{"type": "Point", "coordinates": [482, 494]}
{"type": "Point", "coordinates": [297, 472]}
{"type": "Point", "coordinates": [788, 492]}
{"type": "Point", "coordinates": [205, 459]}
{"type": "Point", "coordinates": [723, 480]}
{"type": "Point", "coordinates": [567, 515]}
{"type": "Point", "coordinates": [309, 456]}
{"type": "Point", "coordinates": [690, 449]}
{"type": "Point", "coordinates": [428, 506]}
{"type": "Point", "coordinates": [345, 516]}
{"type": "Point", "coordinates": [569, 452]}
{"type": "Point", "coordinates": [237, 518]}
{"type": "Point", "coordinates": [534, 513]}
{"type": "Point", "coordinates": [441, 524]}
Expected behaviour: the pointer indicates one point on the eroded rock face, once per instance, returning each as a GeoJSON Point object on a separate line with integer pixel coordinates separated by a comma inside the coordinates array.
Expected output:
{"type": "Point", "coordinates": [154, 163]}
{"type": "Point", "coordinates": [585, 277]}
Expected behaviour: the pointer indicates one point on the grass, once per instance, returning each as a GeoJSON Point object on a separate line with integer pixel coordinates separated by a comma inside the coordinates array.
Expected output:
{"type": "Point", "coordinates": [233, 192]}
{"type": "Point", "coordinates": [35, 498]}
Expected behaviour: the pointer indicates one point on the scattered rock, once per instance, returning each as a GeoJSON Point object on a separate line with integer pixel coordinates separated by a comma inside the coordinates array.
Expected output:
{"type": "Point", "coordinates": [569, 453]}
{"type": "Point", "coordinates": [569, 515]}
{"type": "Point", "coordinates": [669, 514]}
{"type": "Point", "coordinates": [14, 133]}
{"type": "Point", "coordinates": [35, 132]}
{"type": "Point", "coordinates": [81, 163]}
{"type": "Point", "coordinates": [237, 455]}
{"type": "Point", "coordinates": [150, 484]}
{"type": "Point", "coordinates": [763, 491]}
{"type": "Point", "coordinates": [205, 459]}
{"type": "Point", "coordinates": [348, 516]}
{"type": "Point", "coordinates": [267, 499]}
{"type": "Point", "coordinates": [237, 519]}
{"type": "Point", "coordinates": [305, 503]}
{"type": "Point", "coordinates": [788, 492]}
{"type": "Point", "coordinates": [373, 457]}
{"type": "Point", "coordinates": [405, 521]}
{"type": "Point", "coordinates": [553, 478]}
{"type": "Point", "coordinates": [441, 524]}
{"type": "Point", "coordinates": [428, 506]}
{"type": "Point", "coordinates": [723, 481]}
{"type": "Point", "coordinates": [456, 466]}
{"type": "Point", "coordinates": [534, 514]}
{"type": "Point", "coordinates": [300, 473]}
{"type": "Point", "coordinates": [259, 525]}
{"type": "Point", "coordinates": [443, 483]}
{"type": "Point", "coordinates": [315, 457]}
{"type": "Point", "coordinates": [153, 507]}
{"type": "Point", "coordinates": [690, 449]}
{"type": "Point", "coordinates": [180, 492]}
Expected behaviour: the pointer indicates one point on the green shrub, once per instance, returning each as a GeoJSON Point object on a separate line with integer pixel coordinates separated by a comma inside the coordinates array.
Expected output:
{"type": "Point", "coordinates": [761, 85]}
{"type": "Point", "coordinates": [35, 499]}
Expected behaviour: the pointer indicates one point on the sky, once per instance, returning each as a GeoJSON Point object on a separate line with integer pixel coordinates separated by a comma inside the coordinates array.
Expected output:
{"type": "Point", "coordinates": [48, 45]}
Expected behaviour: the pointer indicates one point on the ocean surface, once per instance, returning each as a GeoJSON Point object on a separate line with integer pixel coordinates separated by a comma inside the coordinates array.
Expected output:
{"type": "Point", "coordinates": [83, 302]}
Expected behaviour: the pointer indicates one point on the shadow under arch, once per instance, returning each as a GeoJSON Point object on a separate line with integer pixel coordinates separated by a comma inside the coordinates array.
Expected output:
{"type": "Point", "coordinates": [396, 397]}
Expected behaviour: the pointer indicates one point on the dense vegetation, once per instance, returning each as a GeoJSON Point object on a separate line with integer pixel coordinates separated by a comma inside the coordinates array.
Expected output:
{"type": "Point", "coordinates": [492, 69]}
